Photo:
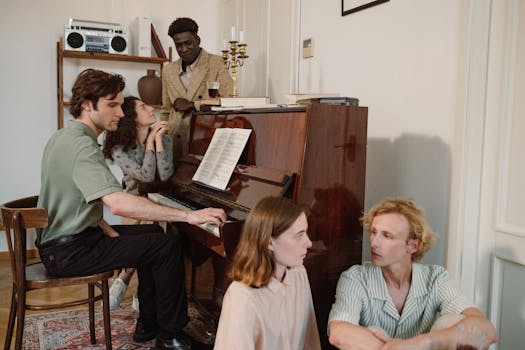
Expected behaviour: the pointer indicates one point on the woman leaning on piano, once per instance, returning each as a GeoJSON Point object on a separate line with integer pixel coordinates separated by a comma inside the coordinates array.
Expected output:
{"type": "Point", "coordinates": [269, 304]}
{"type": "Point", "coordinates": [139, 146]}
{"type": "Point", "coordinates": [143, 152]}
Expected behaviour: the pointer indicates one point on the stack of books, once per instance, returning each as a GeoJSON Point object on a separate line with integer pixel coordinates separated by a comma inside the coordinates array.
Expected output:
{"type": "Point", "coordinates": [244, 101]}
{"type": "Point", "coordinates": [332, 98]}
{"type": "Point", "coordinates": [295, 98]}
{"type": "Point", "coordinates": [236, 103]}
{"type": "Point", "coordinates": [345, 101]}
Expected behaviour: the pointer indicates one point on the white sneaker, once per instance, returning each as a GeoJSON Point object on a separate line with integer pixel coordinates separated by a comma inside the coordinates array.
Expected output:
{"type": "Point", "coordinates": [135, 303]}
{"type": "Point", "coordinates": [116, 293]}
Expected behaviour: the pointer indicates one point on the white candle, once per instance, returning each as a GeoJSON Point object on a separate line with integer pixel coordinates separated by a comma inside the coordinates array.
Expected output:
{"type": "Point", "coordinates": [224, 45]}
{"type": "Point", "coordinates": [241, 36]}
{"type": "Point", "coordinates": [233, 33]}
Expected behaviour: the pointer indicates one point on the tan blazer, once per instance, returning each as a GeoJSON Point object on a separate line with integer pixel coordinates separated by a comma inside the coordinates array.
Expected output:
{"type": "Point", "coordinates": [209, 67]}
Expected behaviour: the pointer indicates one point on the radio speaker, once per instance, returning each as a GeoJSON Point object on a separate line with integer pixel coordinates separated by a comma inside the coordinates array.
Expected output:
{"type": "Point", "coordinates": [119, 45]}
{"type": "Point", "coordinates": [74, 41]}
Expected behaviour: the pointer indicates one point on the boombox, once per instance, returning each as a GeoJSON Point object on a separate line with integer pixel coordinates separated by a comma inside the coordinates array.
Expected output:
{"type": "Point", "coordinates": [92, 36]}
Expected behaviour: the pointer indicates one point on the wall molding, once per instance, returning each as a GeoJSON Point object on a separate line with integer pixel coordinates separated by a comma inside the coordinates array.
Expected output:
{"type": "Point", "coordinates": [496, 294]}
{"type": "Point", "coordinates": [469, 142]}
{"type": "Point", "coordinates": [509, 72]}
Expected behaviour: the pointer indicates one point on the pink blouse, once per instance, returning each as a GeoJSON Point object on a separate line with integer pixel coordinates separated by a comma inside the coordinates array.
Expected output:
{"type": "Point", "coordinates": [278, 316]}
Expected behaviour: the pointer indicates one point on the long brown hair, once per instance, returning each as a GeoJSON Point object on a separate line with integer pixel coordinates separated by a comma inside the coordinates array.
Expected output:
{"type": "Point", "coordinates": [126, 133]}
{"type": "Point", "coordinates": [253, 264]}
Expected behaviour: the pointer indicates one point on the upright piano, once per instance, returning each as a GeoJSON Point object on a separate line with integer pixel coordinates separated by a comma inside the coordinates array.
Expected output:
{"type": "Point", "coordinates": [314, 154]}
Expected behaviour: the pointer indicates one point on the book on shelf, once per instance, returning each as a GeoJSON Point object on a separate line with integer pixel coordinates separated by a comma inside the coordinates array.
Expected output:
{"type": "Point", "coordinates": [344, 101]}
{"type": "Point", "coordinates": [238, 108]}
{"type": "Point", "coordinates": [221, 157]}
{"type": "Point", "coordinates": [212, 101]}
{"type": "Point", "coordinates": [157, 45]}
{"type": "Point", "coordinates": [294, 98]}
{"type": "Point", "coordinates": [244, 101]}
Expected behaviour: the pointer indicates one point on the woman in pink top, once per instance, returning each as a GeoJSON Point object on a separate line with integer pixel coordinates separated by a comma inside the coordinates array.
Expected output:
{"type": "Point", "coordinates": [269, 305]}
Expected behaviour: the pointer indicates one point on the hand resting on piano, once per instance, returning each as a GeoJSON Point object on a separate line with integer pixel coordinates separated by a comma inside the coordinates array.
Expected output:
{"type": "Point", "coordinates": [129, 205]}
{"type": "Point", "coordinates": [162, 200]}
{"type": "Point", "coordinates": [206, 216]}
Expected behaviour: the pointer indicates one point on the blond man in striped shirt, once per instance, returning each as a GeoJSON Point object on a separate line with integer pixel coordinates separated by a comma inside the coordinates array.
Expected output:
{"type": "Point", "coordinates": [396, 303]}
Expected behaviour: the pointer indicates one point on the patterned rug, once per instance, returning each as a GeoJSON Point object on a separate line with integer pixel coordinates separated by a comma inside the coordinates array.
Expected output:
{"type": "Point", "coordinates": [70, 330]}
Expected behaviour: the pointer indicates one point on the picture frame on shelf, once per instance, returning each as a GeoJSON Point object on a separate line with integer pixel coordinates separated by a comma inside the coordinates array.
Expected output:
{"type": "Point", "coordinates": [351, 6]}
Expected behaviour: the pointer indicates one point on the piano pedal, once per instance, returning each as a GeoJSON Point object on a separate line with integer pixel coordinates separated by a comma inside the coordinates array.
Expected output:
{"type": "Point", "coordinates": [201, 338]}
{"type": "Point", "coordinates": [202, 327]}
{"type": "Point", "coordinates": [218, 296]}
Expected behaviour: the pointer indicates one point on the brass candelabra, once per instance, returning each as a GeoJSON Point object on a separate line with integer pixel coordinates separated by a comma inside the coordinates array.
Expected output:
{"type": "Point", "coordinates": [237, 52]}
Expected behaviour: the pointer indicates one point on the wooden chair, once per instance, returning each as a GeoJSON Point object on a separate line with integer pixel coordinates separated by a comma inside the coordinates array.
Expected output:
{"type": "Point", "coordinates": [18, 216]}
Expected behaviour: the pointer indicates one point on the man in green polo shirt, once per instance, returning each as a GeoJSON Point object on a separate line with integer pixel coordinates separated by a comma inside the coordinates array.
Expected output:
{"type": "Point", "coordinates": [75, 184]}
{"type": "Point", "coordinates": [396, 303]}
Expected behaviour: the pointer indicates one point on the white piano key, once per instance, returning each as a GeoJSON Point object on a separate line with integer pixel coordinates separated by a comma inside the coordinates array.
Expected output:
{"type": "Point", "coordinates": [162, 200]}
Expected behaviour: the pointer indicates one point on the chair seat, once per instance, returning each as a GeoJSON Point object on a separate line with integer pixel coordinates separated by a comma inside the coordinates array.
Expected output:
{"type": "Point", "coordinates": [37, 277]}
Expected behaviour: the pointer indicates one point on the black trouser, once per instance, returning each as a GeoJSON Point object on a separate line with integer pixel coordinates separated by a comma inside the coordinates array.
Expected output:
{"type": "Point", "coordinates": [157, 257]}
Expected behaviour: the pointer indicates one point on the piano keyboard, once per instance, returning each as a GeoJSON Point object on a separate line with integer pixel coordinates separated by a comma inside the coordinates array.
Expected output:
{"type": "Point", "coordinates": [173, 203]}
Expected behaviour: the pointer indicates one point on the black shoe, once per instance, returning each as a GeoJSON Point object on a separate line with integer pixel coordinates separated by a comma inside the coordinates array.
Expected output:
{"type": "Point", "coordinates": [143, 332]}
{"type": "Point", "coordinates": [170, 344]}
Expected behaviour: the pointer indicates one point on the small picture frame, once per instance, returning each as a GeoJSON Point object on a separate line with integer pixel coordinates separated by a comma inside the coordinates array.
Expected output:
{"type": "Point", "coordinates": [351, 6]}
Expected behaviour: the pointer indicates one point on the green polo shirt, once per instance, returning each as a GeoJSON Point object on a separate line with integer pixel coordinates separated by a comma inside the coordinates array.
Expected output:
{"type": "Point", "coordinates": [362, 298]}
{"type": "Point", "coordinates": [74, 178]}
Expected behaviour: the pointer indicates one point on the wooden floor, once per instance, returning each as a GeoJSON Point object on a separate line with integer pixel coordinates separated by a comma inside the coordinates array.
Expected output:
{"type": "Point", "coordinates": [203, 289]}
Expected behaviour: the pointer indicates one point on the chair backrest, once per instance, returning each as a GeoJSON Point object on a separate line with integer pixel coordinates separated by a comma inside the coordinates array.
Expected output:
{"type": "Point", "coordinates": [18, 216]}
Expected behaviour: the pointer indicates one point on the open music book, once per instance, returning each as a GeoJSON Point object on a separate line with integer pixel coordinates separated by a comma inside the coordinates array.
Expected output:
{"type": "Point", "coordinates": [220, 159]}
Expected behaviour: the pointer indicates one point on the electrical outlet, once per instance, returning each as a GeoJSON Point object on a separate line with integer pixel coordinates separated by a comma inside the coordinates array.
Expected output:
{"type": "Point", "coordinates": [308, 48]}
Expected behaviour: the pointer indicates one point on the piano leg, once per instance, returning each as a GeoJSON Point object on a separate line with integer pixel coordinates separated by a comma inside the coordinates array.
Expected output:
{"type": "Point", "coordinates": [193, 277]}
{"type": "Point", "coordinates": [221, 281]}
{"type": "Point", "coordinates": [198, 255]}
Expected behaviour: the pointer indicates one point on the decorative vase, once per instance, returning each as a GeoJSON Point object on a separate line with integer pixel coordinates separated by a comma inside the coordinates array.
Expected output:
{"type": "Point", "coordinates": [150, 88]}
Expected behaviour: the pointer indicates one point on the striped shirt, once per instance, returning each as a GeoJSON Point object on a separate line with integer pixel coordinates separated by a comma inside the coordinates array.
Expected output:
{"type": "Point", "coordinates": [362, 298]}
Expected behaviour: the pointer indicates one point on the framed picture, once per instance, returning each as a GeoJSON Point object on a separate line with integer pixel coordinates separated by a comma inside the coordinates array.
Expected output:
{"type": "Point", "coordinates": [351, 6]}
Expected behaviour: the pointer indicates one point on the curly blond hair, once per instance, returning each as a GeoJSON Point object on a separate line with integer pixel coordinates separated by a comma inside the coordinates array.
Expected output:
{"type": "Point", "coordinates": [419, 227]}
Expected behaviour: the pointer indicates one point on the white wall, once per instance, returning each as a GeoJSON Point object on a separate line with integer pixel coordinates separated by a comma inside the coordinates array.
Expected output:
{"type": "Point", "coordinates": [402, 59]}
{"type": "Point", "coordinates": [29, 31]}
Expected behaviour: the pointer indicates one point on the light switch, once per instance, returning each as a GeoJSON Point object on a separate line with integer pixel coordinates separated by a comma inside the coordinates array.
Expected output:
{"type": "Point", "coordinates": [308, 48]}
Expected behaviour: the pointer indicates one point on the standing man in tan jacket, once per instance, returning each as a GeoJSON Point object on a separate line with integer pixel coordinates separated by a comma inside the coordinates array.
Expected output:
{"type": "Point", "coordinates": [184, 81]}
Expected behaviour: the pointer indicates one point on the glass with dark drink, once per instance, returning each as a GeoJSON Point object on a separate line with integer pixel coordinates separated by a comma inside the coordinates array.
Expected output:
{"type": "Point", "coordinates": [213, 88]}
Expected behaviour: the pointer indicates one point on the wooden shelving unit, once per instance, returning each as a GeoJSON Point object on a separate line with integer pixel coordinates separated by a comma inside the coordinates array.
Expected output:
{"type": "Point", "coordinates": [61, 54]}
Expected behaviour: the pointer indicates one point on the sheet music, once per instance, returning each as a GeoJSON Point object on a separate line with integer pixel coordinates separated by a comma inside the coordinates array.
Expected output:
{"type": "Point", "coordinates": [222, 155]}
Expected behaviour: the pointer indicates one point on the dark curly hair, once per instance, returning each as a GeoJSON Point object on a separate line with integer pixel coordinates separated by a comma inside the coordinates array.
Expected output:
{"type": "Point", "coordinates": [92, 84]}
{"type": "Point", "coordinates": [126, 133]}
{"type": "Point", "coordinates": [181, 25]}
